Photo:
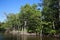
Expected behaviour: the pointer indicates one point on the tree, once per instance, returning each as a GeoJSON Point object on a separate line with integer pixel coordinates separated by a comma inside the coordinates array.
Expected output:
{"type": "Point", "coordinates": [13, 21]}
{"type": "Point", "coordinates": [2, 29]}
{"type": "Point", "coordinates": [32, 16]}
{"type": "Point", "coordinates": [50, 13]}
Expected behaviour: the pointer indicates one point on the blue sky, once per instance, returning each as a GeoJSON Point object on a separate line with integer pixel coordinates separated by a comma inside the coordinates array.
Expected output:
{"type": "Point", "coordinates": [13, 6]}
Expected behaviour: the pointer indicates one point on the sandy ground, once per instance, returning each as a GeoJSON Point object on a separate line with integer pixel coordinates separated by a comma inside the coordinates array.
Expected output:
{"type": "Point", "coordinates": [22, 32]}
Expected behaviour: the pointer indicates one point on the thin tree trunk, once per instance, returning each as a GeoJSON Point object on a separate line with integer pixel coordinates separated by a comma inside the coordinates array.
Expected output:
{"type": "Point", "coordinates": [53, 25]}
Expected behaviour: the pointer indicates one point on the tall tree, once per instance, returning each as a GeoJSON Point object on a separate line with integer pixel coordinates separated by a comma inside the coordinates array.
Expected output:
{"type": "Point", "coordinates": [32, 16]}
{"type": "Point", "coordinates": [51, 12]}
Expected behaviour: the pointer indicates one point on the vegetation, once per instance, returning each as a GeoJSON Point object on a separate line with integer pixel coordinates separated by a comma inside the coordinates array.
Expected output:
{"type": "Point", "coordinates": [51, 14]}
{"type": "Point", "coordinates": [34, 20]}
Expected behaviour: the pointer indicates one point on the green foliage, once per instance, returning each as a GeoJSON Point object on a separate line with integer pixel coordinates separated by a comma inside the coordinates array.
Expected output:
{"type": "Point", "coordinates": [53, 32]}
{"type": "Point", "coordinates": [32, 16]}
{"type": "Point", "coordinates": [28, 13]}
{"type": "Point", "coordinates": [50, 13]}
